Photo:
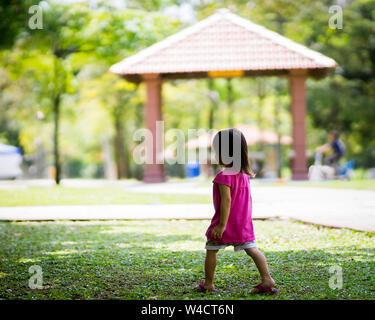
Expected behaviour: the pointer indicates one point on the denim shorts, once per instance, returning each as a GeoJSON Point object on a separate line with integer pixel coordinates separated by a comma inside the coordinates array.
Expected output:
{"type": "Point", "coordinates": [216, 245]}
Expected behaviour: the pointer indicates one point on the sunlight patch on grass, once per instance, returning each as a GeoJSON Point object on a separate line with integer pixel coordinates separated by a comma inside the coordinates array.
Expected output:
{"type": "Point", "coordinates": [27, 260]}
{"type": "Point", "coordinates": [65, 251]}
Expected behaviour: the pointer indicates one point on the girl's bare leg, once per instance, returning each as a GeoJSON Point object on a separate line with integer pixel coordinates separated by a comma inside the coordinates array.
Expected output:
{"type": "Point", "coordinates": [209, 268]}
{"type": "Point", "coordinates": [261, 264]}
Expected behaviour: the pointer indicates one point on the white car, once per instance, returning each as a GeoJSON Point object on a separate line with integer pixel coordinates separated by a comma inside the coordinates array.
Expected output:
{"type": "Point", "coordinates": [10, 161]}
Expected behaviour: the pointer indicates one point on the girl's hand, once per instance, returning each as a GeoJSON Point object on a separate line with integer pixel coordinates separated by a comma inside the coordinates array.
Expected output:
{"type": "Point", "coordinates": [217, 232]}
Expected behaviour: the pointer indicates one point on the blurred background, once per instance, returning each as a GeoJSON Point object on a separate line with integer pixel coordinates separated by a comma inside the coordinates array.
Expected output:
{"type": "Point", "coordinates": [65, 118]}
{"type": "Point", "coordinates": [58, 99]}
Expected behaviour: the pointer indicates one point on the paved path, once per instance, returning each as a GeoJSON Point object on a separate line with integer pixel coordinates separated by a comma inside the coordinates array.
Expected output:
{"type": "Point", "coordinates": [353, 209]}
{"type": "Point", "coordinates": [330, 207]}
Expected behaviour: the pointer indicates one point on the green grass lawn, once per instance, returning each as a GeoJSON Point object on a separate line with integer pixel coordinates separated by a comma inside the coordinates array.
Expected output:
{"type": "Point", "coordinates": [80, 196]}
{"type": "Point", "coordinates": [29, 196]}
{"type": "Point", "coordinates": [164, 260]}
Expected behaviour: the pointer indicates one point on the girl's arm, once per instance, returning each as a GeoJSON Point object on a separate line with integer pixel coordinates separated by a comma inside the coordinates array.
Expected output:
{"type": "Point", "coordinates": [225, 203]}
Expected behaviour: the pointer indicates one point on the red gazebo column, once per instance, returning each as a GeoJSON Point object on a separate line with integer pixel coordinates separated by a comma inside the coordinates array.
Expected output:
{"type": "Point", "coordinates": [297, 80]}
{"type": "Point", "coordinates": [153, 172]}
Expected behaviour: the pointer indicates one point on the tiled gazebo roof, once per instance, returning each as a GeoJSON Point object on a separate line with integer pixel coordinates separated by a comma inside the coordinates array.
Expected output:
{"type": "Point", "coordinates": [224, 42]}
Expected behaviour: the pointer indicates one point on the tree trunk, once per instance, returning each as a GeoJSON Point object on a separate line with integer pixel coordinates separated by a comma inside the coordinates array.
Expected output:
{"type": "Point", "coordinates": [56, 113]}
{"type": "Point", "coordinates": [230, 102]}
{"type": "Point", "coordinates": [120, 157]}
{"type": "Point", "coordinates": [261, 95]}
{"type": "Point", "coordinates": [213, 105]}
{"type": "Point", "coordinates": [277, 129]}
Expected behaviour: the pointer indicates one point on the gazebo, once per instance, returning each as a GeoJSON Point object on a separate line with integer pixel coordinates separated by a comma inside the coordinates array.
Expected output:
{"type": "Point", "coordinates": [225, 45]}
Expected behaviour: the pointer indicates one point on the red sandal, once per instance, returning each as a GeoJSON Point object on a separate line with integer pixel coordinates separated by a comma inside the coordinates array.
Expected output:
{"type": "Point", "coordinates": [201, 288]}
{"type": "Point", "coordinates": [265, 290]}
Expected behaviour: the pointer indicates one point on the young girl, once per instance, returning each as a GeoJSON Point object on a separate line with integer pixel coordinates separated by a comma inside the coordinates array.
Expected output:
{"type": "Point", "coordinates": [232, 223]}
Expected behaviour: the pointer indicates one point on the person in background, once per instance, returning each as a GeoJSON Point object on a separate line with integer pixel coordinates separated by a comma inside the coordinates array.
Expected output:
{"type": "Point", "coordinates": [336, 146]}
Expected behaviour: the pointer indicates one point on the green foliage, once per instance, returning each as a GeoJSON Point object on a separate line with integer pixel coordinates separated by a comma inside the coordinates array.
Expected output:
{"type": "Point", "coordinates": [69, 59]}
{"type": "Point", "coordinates": [346, 101]}
{"type": "Point", "coordinates": [13, 20]}
{"type": "Point", "coordinates": [71, 55]}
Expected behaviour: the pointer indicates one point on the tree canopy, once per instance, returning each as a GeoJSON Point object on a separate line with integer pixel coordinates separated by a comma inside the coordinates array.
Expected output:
{"type": "Point", "coordinates": [55, 84]}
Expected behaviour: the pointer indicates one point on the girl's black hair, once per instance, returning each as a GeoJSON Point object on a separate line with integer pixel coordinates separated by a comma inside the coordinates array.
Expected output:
{"type": "Point", "coordinates": [245, 161]}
